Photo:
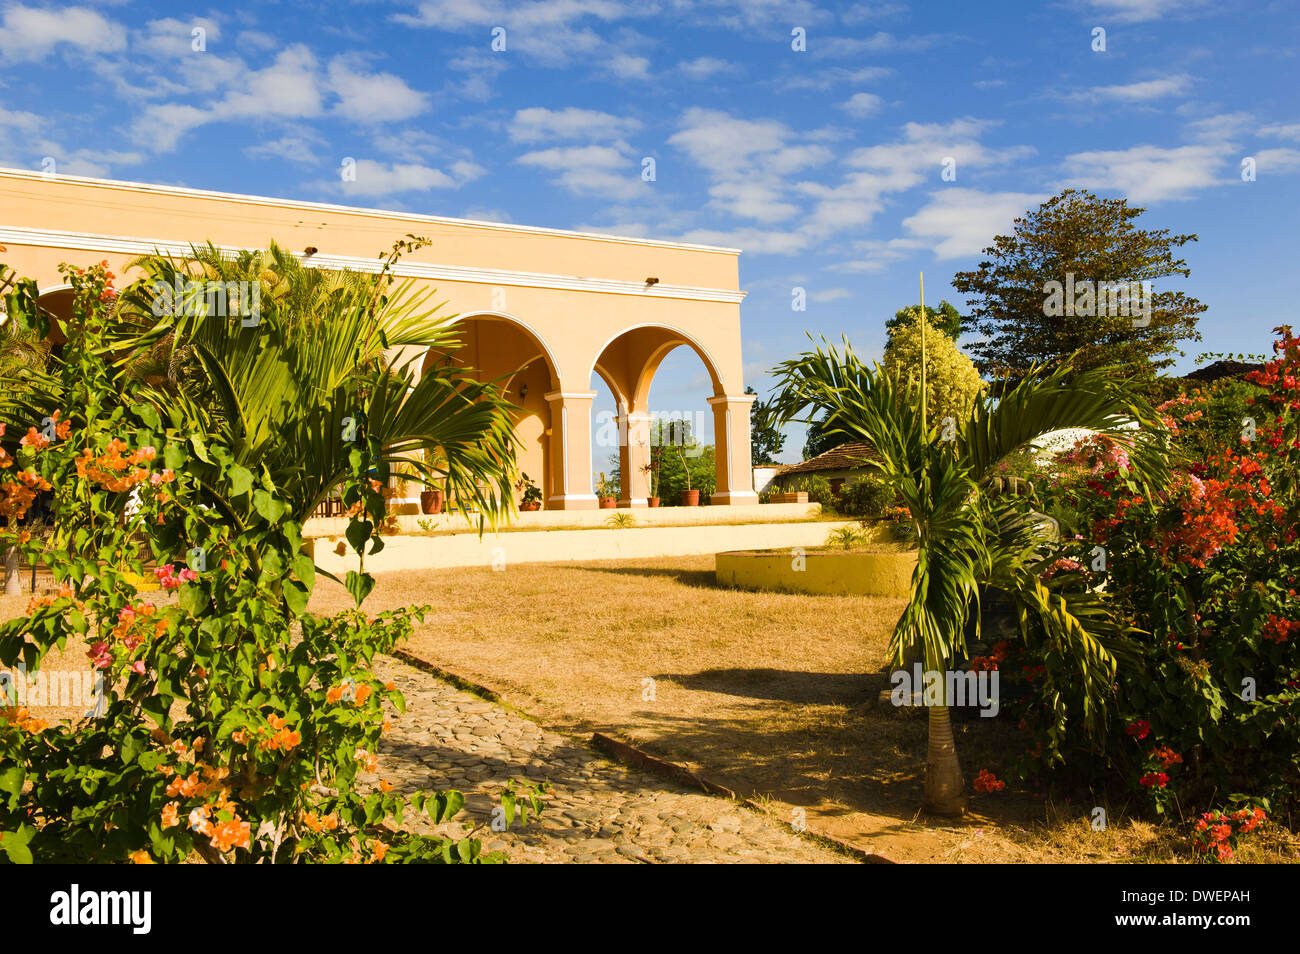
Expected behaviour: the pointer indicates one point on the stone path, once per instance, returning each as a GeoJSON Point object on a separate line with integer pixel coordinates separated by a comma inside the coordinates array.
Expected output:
{"type": "Point", "coordinates": [596, 812]}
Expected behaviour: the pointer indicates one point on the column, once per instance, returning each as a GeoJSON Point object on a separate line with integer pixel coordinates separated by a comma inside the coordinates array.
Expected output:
{"type": "Point", "coordinates": [731, 439]}
{"type": "Point", "coordinates": [570, 451]}
{"type": "Point", "coordinates": [633, 457]}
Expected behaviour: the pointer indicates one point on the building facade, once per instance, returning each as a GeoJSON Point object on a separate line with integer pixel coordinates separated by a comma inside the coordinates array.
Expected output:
{"type": "Point", "coordinates": [548, 309]}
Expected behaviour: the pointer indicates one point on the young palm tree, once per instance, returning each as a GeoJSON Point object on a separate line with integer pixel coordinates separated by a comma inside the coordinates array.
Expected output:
{"type": "Point", "coordinates": [289, 388]}
{"type": "Point", "coordinates": [966, 537]}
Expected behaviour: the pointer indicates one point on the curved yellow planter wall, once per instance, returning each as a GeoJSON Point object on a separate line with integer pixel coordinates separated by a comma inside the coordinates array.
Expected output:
{"type": "Point", "coordinates": [866, 574]}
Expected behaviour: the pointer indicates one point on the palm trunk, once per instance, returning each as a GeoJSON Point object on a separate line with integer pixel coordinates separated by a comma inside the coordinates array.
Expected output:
{"type": "Point", "coordinates": [945, 789]}
{"type": "Point", "coordinates": [13, 585]}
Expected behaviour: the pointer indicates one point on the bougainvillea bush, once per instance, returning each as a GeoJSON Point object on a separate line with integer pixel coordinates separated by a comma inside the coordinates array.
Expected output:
{"type": "Point", "coordinates": [1206, 705]}
{"type": "Point", "coordinates": [235, 725]}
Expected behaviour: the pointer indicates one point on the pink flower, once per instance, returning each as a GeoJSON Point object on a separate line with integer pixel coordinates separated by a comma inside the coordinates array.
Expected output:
{"type": "Point", "coordinates": [99, 655]}
{"type": "Point", "coordinates": [138, 667]}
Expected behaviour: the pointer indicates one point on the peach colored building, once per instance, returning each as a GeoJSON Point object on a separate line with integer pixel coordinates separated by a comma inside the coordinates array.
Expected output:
{"type": "Point", "coordinates": [551, 309]}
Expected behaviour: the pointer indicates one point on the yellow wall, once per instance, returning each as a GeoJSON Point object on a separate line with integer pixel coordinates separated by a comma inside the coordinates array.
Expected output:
{"type": "Point", "coordinates": [571, 299]}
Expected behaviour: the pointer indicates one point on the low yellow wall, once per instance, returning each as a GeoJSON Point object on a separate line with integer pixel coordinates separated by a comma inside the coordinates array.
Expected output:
{"type": "Point", "coordinates": [415, 552]}
{"type": "Point", "coordinates": [574, 519]}
{"type": "Point", "coordinates": [863, 573]}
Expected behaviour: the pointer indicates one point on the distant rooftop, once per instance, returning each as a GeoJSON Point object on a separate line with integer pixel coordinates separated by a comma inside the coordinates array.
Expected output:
{"type": "Point", "coordinates": [846, 456]}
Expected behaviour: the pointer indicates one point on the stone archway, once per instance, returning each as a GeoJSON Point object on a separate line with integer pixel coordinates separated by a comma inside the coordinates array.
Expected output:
{"type": "Point", "coordinates": [628, 363]}
{"type": "Point", "coordinates": [504, 349]}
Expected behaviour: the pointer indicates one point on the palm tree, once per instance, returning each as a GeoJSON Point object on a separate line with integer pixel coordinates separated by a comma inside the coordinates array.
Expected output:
{"type": "Point", "coordinates": [286, 389]}
{"type": "Point", "coordinates": [968, 537]}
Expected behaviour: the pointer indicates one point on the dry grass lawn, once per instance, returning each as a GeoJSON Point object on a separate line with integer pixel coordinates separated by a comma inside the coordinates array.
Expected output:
{"type": "Point", "coordinates": [772, 694]}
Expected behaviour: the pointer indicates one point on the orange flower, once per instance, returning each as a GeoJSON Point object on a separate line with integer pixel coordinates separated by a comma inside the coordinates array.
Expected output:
{"type": "Point", "coordinates": [170, 816]}
{"type": "Point", "coordinates": [141, 857]}
{"type": "Point", "coordinates": [334, 695]}
{"type": "Point", "coordinates": [363, 693]}
{"type": "Point", "coordinates": [378, 851]}
{"type": "Point", "coordinates": [232, 834]}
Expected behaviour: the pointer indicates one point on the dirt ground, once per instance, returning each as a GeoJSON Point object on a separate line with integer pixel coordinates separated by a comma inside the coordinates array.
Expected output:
{"type": "Point", "coordinates": [774, 695]}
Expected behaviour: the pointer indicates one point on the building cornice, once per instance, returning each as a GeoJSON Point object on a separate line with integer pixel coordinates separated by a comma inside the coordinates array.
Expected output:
{"type": "Point", "coordinates": [185, 192]}
{"type": "Point", "coordinates": [127, 245]}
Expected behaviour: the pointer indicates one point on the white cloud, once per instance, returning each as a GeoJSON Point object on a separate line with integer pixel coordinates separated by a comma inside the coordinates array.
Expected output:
{"type": "Point", "coordinates": [862, 105]}
{"type": "Point", "coordinates": [1277, 160]}
{"type": "Point", "coordinates": [299, 147]}
{"type": "Point", "coordinates": [1139, 92]}
{"type": "Point", "coordinates": [702, 67]}
{"type": "Point", "coordinates": [835, 76]}
{"type": "Point", "coordinates": [960, 222]}
{"type": "Point", "coordinates": [830, 294]}
{"type": "Point", "coordinates": [887, 168]}
{"type": "Point", "coordinates": [1282, 131]}
{"type": "Point", "coordinates": [1148, 173]}
{"type": "Point", "coordinates": [627, 66]}
{"type": "Point", "coordinates": [610, 171]}
{"type": "Point", "coordinates": [748, 161]}
{"type": "Point", "coordinates": [378, 179]}
{"type": "Point", "coordinates": [552, 32]}
{"type": "Point", "coordinates": [539, 124]}
{"type": "Point", "coordinates": [28, 34]}
{"type": "Point", "coordinates": [1138, 11]}
{"type": "Point", "coordinates": [373, 97]}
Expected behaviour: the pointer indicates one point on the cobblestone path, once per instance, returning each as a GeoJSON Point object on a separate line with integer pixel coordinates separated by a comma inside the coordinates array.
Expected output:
{"type": "Point", "coordinates": [597, 811]}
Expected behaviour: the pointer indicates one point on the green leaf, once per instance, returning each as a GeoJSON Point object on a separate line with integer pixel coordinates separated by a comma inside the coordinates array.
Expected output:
{"type": "Point", "coordinates": [267, 507]}
{"type": "Point", "coordinates": [193, 599]}
{"type": "Point", "coordinates": [359, 585]}
{"type": "Point", "coordinates": [241, 480]}
{"type": "Point", "coordinates": [296, 596]}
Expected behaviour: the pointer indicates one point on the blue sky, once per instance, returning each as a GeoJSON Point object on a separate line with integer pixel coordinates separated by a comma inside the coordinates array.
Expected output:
{"type": "Point", "coordinates": [824, 164]}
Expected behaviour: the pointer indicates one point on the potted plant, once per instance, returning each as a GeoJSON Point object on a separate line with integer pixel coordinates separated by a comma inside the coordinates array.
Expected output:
{"type": "Point", "coordinates": [532, 498]}
{"type": "Point", "coordinates": [607, 491]}
{"type": "Point", "coordinates": [651, 470]}
{"type": "Point", "coordinates": [431, 497]}
{"type": "Point", "coordinates": [690, 498]}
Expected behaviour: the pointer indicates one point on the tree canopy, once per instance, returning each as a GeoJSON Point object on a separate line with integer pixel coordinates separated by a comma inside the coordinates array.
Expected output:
{"type": "Point", "coordinates": [1078, 275]}
{"type": "Point", "coordinates": [951, 382]}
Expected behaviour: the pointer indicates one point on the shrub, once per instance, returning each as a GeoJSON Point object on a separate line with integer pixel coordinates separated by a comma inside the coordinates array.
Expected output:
{"type": "Point", "coordinates": [866, 497]}
{"type": "Point", "coordinates": [235, 726]}
{"type": "Point", "coordinates": [1206, 704]}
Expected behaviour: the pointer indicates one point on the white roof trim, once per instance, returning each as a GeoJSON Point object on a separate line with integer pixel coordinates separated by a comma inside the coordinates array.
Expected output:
{"type": "Point", "coordinates": [85, 241]}
{"type": "Point", "coordinates": [349, 210]}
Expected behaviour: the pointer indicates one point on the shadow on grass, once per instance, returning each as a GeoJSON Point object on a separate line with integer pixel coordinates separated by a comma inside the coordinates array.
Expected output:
{"type": "Point", "coordinates": [784, 685]}
{"type": "Point", "coordinates": [705, 578]}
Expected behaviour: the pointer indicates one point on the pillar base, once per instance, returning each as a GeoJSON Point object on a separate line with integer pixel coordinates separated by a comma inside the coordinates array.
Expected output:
{"type": "Point", "coordinates": [734, 498]}
{"type": "Point", "coordinates": [572, 502]}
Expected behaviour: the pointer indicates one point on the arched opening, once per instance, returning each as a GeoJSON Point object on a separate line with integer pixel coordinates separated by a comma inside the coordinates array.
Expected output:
{"type": "Point", "coordinates": [502, 349]}
{"type": "Point", "coordinates": [657, 376]}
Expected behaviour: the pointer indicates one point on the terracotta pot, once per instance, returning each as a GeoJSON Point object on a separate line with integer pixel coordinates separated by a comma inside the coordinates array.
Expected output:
{"type": "Point", "coordinates": [652, 501]}
{"type": "Point", "coordinates": [690, 498]}
{"type": "Point", "coordinates": [531, 506]}
{"type": "Point", "coordinates": [608, 503]}
{"type": "Point", "coordinates": [431, 501]}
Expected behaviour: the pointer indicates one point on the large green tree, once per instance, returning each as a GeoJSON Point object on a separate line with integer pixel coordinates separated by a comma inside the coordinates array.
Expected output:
{"type": "Point", "coordinates": [1034, 298]}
